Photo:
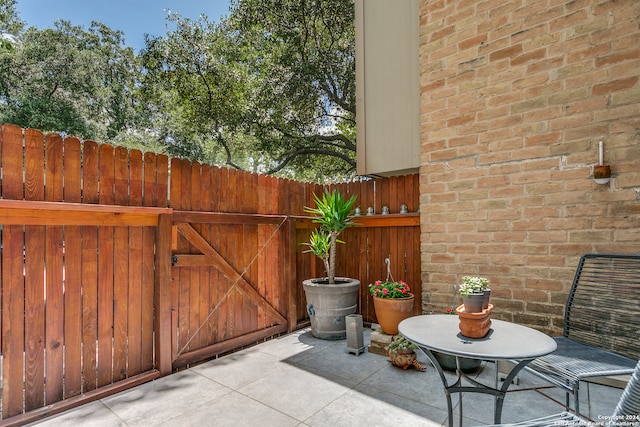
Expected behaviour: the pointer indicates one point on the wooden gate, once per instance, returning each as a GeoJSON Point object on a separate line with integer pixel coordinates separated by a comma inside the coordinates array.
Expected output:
{"type": "Point", "coordinates": [231, 272]}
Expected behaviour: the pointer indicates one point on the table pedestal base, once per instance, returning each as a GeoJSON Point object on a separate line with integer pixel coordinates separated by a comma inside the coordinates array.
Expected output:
{"type": "Point", "coordinates": [475, 387]}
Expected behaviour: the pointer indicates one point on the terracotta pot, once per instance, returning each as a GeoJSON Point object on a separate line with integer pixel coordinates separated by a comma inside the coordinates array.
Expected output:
{"type": "Point", "coordinates": [391, 311]}
{"type": "Point", "coordinates": [602, 172]}
{"type": "Point", "coordinates": [474, 325]}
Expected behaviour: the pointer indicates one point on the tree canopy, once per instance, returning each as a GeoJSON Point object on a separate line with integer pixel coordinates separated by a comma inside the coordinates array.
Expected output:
{"type": "Point", "coordinates": [10, 22]}
{"type": "Point", "coordinates": [271, 88]}
{"type": "Point", "coordinates": [304, 53]}
{"type": "Point", "coordinates": [71, 80]}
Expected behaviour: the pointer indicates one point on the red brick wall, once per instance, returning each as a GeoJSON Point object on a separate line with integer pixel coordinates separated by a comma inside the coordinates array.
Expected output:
{"type": "Point", "coordinates": [515, 96]}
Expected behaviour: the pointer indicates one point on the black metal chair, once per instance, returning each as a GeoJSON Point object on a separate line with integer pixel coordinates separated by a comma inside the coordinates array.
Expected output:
{"type": "Point", "coordinates": [627, 411]}
{"type": "Point", "coordinates": [601, 328]}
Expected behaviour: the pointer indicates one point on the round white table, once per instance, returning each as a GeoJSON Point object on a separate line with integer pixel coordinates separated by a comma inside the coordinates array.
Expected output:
{"type": "Point", "coordinates": [504, 341]}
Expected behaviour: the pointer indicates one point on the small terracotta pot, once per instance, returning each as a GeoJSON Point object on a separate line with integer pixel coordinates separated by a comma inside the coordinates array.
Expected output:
{"type": "Point", "coordinates": [602, 174]}
{"type": "Point", "coordinates": [391, 311]}
{"type": "Point", "coordinates": [602, 171]}
{"type": "Point", "coordinates": [474, 325]}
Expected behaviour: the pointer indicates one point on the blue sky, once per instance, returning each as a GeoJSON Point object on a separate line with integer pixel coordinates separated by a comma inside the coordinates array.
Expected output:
{"type": "Point", "coordinates": [133, 17]}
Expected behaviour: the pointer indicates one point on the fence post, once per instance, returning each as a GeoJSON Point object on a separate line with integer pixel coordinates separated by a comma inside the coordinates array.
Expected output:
{"type": "Point", "coordinates": [291, 275]}
{"type": "Point", "coordinates": [162, 295]}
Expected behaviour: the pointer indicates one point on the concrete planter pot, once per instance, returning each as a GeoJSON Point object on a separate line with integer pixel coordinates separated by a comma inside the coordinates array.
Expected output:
{"type": "Point", "coordinates": [327, 306]}
{"type": "Point", "coordinates": [448, 362]}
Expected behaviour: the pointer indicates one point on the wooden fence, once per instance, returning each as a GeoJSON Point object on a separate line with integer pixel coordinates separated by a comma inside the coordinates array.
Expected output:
{"type": "Point", "coordinates": [119, 267]}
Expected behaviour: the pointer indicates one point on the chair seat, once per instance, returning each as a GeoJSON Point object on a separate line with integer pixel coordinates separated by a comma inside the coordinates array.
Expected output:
{"type": "Point", "coordinates": [561, 419]}
{"type": "Point", "coordinates": [628, 408]}
{"type": "Point", "coordinates": [573, 362]}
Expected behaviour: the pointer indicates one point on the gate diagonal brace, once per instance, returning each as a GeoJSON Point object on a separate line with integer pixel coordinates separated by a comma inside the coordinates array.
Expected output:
{"type": "Point", "coordinates": [211, 257]}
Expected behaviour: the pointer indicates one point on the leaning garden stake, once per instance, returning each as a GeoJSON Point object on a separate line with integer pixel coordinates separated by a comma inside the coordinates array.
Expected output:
{"type": "Point", "coordinates": [332, 298]}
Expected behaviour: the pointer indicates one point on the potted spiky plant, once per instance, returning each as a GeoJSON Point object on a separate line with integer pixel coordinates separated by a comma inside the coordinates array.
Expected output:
{"type": "Point", "coordinates": [331, 298]}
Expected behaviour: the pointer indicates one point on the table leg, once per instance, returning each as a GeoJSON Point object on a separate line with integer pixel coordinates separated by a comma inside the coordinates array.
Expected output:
{"type": "Point", "coordinates": [460, 374]}
{"type": "Point", "coordinates": [497, 413]}
{"type": "Point", "coordinates": [477, 387]}
{"type": "Point", "coordinates": [445, 383]}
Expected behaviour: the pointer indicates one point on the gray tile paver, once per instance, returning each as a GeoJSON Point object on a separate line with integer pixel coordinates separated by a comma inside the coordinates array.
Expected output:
{"type": "Point", "coordinates": [297, 380]}
{"type": "Point", "coordinates": [232, 410]}
{"type": "Point", "coordinates": [96, 413]}
{"type": "Point", "coordinates": [156, 401]}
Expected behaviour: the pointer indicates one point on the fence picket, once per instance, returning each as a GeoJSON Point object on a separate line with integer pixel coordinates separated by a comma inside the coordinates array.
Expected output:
{"type": "Point", "coordinates": [90, 168]}
{"type": "Point", "coordinates": [195, 284]}
{"type": "Point", "coordinates": [260, 196]}
{"type": "Point", "coordinates": [251, 204]}
{"type": "Point", "coordinates": [179, 200]}
{"type": "Point", "coordinates": [214, 240]}
{"type": "Point", "coordinates": [106, 270]}
{"type": "Point", "coordinates": [34, 266]}
{"type": "Point", "coordinates": [149, 198]}
{"type": "Point", "coordinates": [12, 279]}
{"type": "Point", "coordinates": [135, 279]}
{"type": "Point", "coordinates": [204, 303]}
{"type": "Point", "coordinates": [233, 234]}
{"type": "Point", "coordinates": [222, 299]}
{"type": "Point", "coordinates": [54, 312]}
{"type": "Point", "coordinates": [73, 273]}
{"type": "Point", "coordinates": [121, 284]}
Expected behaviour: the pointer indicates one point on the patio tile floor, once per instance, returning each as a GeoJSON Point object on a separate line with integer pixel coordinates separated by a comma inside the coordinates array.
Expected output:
{"type": "Point", "coordinates": [298, 380]}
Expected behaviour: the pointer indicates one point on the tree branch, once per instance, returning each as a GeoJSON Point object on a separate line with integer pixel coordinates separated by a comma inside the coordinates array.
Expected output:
{"type": "Point", "coordinates": [229, 161]}
{"type": "Point", "coordinates": [311, 150]}
{"type": "Point", "coordinates": [347, 143]}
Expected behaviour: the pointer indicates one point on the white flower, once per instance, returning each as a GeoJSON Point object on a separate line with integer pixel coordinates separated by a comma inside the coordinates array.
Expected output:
{"type": "Point", "coordinates": [473, 285]}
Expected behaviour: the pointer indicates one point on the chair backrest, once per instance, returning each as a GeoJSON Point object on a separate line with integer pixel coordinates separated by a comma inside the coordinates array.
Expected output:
{"type": "Point", "coordinates": [628, 409]}
{"type": "Point", "coordinates": [603, 305]}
